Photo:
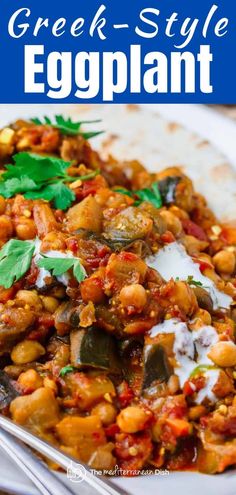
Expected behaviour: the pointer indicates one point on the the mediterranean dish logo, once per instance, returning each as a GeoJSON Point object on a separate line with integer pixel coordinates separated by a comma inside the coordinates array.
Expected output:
{"type": "Point", "coordinates": [77, 473]}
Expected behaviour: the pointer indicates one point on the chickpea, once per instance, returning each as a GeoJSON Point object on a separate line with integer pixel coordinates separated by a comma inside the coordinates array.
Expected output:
{"type": "Point", "coordinates": [50, 303]}
{"type": "Point", "coordinates": [173, 223]}
{"type": "Point", "coordinates": [29, 297]}
{"type": "Point", "coordinates": [223, 354]}
{"type": "Point", "coordinates": [133, 295]}
{"type": "Point", "coordinates": [49, 383]}
{"type": "Point", "coordinates": [193, 245]}
{"type": "Point", "coordinates": [30, 380]}
{"type": "Point", "coordinates": [132, 419]}
{"type": "Point", "coordinates": [25, 228]}
{"type": "Point", "coordinates": [106, 412]}
{"type": "Point", "coordinates": [224, 262]}
{"type": "Point", "coordinates": [53, 241]}
{"type": "Point", "coordinates": [184, 297]}
{"type": "Point", "coordinates": [2, 205]}
{"type": "Point", "coordinates": [27, 351]}
{"type": "Point", "coordinates": [195, 412]}
{"type": "Point", "coordinates": [173, 384]}
{"type": "Point", "coordinates": [58, 292]}
{"type": "Point", "coordinates": [201, 318]}
{"type": "Point", "coordinates": [181, 214]}
{"type": "Point", "coordinates": [6, 227]}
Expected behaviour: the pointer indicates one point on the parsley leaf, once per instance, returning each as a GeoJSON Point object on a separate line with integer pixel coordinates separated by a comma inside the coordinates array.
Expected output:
{"type": "Point", "coordinates": [66, 126]}
{"type": "Point", "coordinates": [40, 168]}
{"type": "Point", "coordinates": [67, 369]}
{"type": "Point", "coordinates": [15, 260]}
{"type": "Point", "coordinates": [58, 266]}
{"type": "Point", "coordinates": [190, 280]}
{"type": "Point", "coordinates": [16, 185]}
{"type": "Point", "coordinates": [61, 195]}
{"type": "Point", "coordinates": [150, 194]}
{"type": "Point", "coordinates": [43, 177]}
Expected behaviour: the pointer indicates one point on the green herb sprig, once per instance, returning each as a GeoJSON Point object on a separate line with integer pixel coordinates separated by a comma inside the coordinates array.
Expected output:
{"type": "Point", "coordinates": [67, 127]}
{"type": "Point", "coordinates": [150, 194]}
{"type": "Point", "coordinates": [59, 266]}
{"type": "Point", "coordinates": [16, 257]}
{"type": "Point", "coordinates": [40, 177]}
{"type": "Point", "coordinates": [15, 260]}
{"type": "Point", "coordinates": [67, 369]}
{"type": "Point", "coordinates": [190, 280]}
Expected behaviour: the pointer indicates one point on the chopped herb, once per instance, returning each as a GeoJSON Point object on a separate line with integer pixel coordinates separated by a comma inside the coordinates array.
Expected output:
{"type": "Point", "coordinates": [61, 195]}
{"type": "Point", "coordinates": [190, 280]}
{"type": "Point", "coordinates": [59, 266]}
{"type": "Point", "coordinates": [48, 176]}
{"type": "Point", "coordinates": [202, 368]}
{"type": "Point", "coordinates": [66, 126]}
{"type": "Point", "coordinates": [67, 369]}
{"type": "Point", "coordinates": [15, 260]}
{"type": "Point", "coordinates": [124, 191]}
{"type": "Point", "coordinates": [151, 194]}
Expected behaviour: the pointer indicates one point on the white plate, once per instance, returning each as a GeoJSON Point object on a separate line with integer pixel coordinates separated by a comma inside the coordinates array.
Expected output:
{"type": "Point", "coordinates": [221, 133]}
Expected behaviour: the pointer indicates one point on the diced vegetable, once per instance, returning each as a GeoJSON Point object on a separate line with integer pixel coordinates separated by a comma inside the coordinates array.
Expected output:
{"type": "Point", "coordinates": [167, 188]}
{"type": "Point", "coordinates": [93, 348]}
{"type": "Point", "coordinates": [156, 366]}
{"type": "Point", "coordinates": [90, 388]}
{"type": "Point", "coordinates": [38, 411]}
{"type": "Point", "coordinates": [15, 324]}
{"type": "Point", "coordinates": [180, 427]}
{"type": "Point", "coordinates": [8, 391]}
{"type": "Point", "coordinates": [85, 215]}
{"type": "Point", "coordinates": [84, 433]}
{"type": "Point", "coordinates": [130, 223]}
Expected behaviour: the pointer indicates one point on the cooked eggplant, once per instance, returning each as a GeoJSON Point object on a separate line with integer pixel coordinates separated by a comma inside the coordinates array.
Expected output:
{"type": "Point", "coordinates": [167, 188]}
{"type": "Point", "coordinates": [203, 298]}
{"type": "Point", "coordinates": [130, 223]}
{"type": "Point", "coordinates": [7, 390]}
{"type": "Point", "coordinates": [20, 320]}
{"type": "Point", "coordinates": [66, 317]}
{"type": "Point", "coordinates": [156, 366]}
{"type": "Point", "coordinates": [93, 348]}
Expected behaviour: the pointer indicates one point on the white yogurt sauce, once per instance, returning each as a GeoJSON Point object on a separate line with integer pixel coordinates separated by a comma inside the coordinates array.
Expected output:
{"type": "Point", "coordinates": [173, 262]}
{"type": "Point", "coordinates": [188, 344]}
{"type": "Point", "coordinates": [43, 273]}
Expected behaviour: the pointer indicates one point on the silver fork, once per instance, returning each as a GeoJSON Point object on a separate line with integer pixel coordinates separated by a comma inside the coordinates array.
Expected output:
{"type": "Point", "coordinates": [44, 479]}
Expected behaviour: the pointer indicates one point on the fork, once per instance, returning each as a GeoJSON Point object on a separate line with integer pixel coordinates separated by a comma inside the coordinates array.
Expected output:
{"type": "Point", "coordinates": [46, 482]}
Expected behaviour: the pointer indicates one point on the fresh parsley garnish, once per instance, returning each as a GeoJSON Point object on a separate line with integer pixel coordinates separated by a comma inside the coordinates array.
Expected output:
{"type": "Point", "coordinates": [15, 260]}
{"type": "Point", "coordinates": [66, 126]}
{"type": "Point", "coordinates": [59, 266]}
{"type": "Point", "coordinates": [67, 369]}
{"type": "Point", "coordinates": [150, 194]}
{"type": "Point", "coordinates": [190, 280]}
{"type": "Point", "coordinates": [40, 177]}
{"type": "Point", "coordinates": [61, 195]}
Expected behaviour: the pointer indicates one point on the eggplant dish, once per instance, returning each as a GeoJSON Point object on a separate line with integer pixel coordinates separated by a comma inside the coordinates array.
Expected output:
{"type": "Point", "coordinates": [117, 306]}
